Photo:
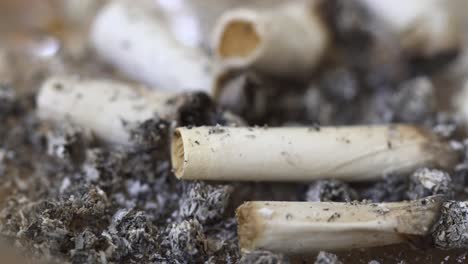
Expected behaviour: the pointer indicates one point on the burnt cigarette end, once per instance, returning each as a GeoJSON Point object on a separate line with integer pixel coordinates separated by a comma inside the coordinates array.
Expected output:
{"type": "Point", "coordinates": [424, 214]}
{"type": "Point", "coordinates": [426, 182]}
{"type": "Point", "coordinates": [240, 38]}
{"type": "Point", "coordinates": [178, 154]}
{"type": "Point", "coordinates": [249, 227]}
{"type": "Point", "coordinates": [451, 231]}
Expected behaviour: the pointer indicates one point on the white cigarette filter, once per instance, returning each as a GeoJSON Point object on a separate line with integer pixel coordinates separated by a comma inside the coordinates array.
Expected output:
{"type": "Point", "coordinates": [350, 153]}
{"type": "Point", "coordinates": [287, 40]}
{"type": "Point", "coordinates": [106, 108]}
{"type": "Point", "coordinates": [460, 105]}
{"type": "Point", "coordinates": [133, 36]}
{"type": "Point", "coordinates": [425, 27]}
{"type": "Point", "coordinates": [305, 227]}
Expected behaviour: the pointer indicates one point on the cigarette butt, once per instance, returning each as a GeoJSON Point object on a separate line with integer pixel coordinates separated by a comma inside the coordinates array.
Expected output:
{"type": "Point", "coordinates": [304, 227]}
{"type": "Point", "coordinates": [424, 27]}
{"type": "Point", "coordinates": [460, 105]}
{"type": "Point", "coordinates": [106, 108]}
{"type": "Point", "coordinates": [134, 37]}
{"type": "Point", "coordinates": [350, 153]}
{"type": "Point", "coordinates": [265, 39]}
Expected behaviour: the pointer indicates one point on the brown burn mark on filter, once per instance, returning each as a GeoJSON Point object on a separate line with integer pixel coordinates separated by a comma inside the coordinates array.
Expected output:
{"type": "Point", "coordinates": [438, 150]}
{"type": "Point", "coordinates": [443, 155]}
{"type": "Point", "coordinates": [249, 226]}
{"type": "Point", "coordinates": [178, 154]}
{"type": "Point", "coordinates": [419, 218]}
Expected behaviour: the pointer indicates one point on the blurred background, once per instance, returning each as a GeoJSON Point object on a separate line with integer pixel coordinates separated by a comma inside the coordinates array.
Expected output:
{"type": "Point", "coordinates": [385, 80]}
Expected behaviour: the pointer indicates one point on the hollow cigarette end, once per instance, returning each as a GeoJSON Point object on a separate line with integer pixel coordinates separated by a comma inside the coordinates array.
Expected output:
{"type": "Point", "coordinates": [238, 37]}
{"type": "Point", "coordinates": [178, 154]}
{"type": "Point", "coordinates": [248, 227]}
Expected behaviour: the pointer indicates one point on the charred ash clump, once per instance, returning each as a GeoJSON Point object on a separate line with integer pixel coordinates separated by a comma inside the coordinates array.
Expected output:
{"type": "Point", "coordinates": [391, 189]}
{"type": "Point", "coordinates": [187, 241]}
{"type": "Point", "coordinates": [92, 203]}
{"type": "Point", "coordinates": [330, 191]}
{"type": "Point", "coordinates": [199, 109]}
{"type": "Point", "coordinates": [153, 134]}
{"type": "Point", "coordinates": [203, 202]}
{"type": "Point", "coordinates": [49, 226]}
{"type": "Point", "coordinates": [451, 229]}
{"type": "Point", "coordinates": [425, 182]}
{"type": "Point", "coordinates": [327, 258]}
{"type": "Point", "coordinates": [67, 143]}
{"type": "Point", "coordinates": [413, 101]}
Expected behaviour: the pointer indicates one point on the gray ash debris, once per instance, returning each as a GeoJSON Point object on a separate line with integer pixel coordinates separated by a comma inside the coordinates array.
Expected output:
{"type": "Point", "coordinates": [131, 236]}
{"type": "Point", "coordinates": [391, 189]}
{"type": "Point", "coordinates": [222, 241]}
{"type": "Point", "coordinates": [460, 174]}
{"type": "Point", "coordinates": [426, 182]}
{"type": "Point", "coordinates": [67, 142]}
{"type": "Point", "coordinates": [48, 227]}
{"type": "Point", "coordinates": [263, 257]}
{"type": "Point", "coordinates": [451, 231]}
{"type": "Point", "coordinates": [199, 109]}
{"type": "Point", "coordinates": [327, 258]}
{"type": "Point", "coordinates": [204, 202]}
{"type": "Point", "coordinates": [412, 101]}
{"type": "Point", "coordinates": [415, 101]}
{"type": "Point", "coordinates": [445, 125]}
{"type": "Point", "coordinates": [8, 99]}
{"type": "Point", "coordinates": [151, 134]}
{"type": "Point", "coordinates": [94, 204]}
{"type": "Point", "coordinates": [330, 191]}
{"type": "Point", "coordinates": [188, 242]}
{"type": "Point", "coordinates": [340, 85]}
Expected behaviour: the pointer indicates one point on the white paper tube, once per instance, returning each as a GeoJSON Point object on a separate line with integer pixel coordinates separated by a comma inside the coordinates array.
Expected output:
{"type": "Point", "coordinates": [287, 40]}
{"type": "Point", "coordinates": [353, 153]}
{"type": "Point", "coordinates": [106, 108]}
{"type": "Point", "coordinates": [305, 227]}
{"type": "Point", "coordinates": [132, 36]}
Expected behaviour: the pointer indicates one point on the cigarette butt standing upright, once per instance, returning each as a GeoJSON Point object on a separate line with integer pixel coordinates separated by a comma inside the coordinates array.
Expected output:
{"type": "Point", "coordinates": [133, 37]}
{"type": "Point", "coordinates": [304, 227]}
{"type": "Point", "coordinates": [287, 40]}
{"type": "Point", "coordinates": [106, 108]}
{"type": "Point", "coordinates": [353, 153]}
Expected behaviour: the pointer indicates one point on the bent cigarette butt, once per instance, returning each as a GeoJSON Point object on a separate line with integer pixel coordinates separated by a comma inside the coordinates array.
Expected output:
{"type": "Point", "coordinates": [353, 153]}
{"type": "Point", "coordinates": [132, 36]}
{"type": "Point", "coordinates": [264, 39]}
{"type": "Point", "coordinates": [106, 108]}
{"type": "Point", "coordinates": [302, 227]}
